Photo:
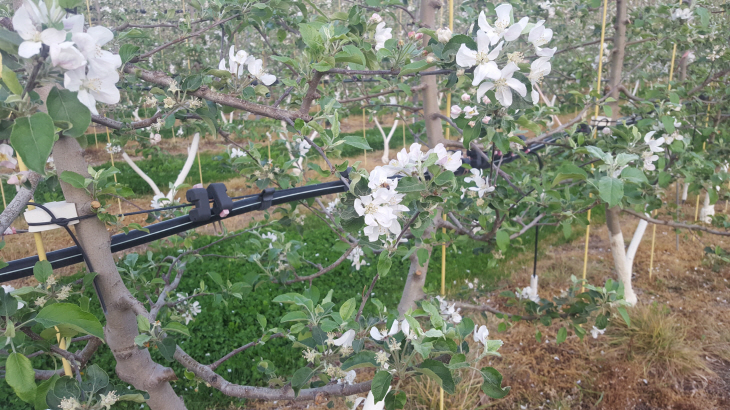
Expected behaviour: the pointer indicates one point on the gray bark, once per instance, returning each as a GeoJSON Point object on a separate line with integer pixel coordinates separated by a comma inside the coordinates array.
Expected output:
{"type": "Point", "coordinates": [134, 365]}
{"type": "Point", "coordinates": [434, 128]}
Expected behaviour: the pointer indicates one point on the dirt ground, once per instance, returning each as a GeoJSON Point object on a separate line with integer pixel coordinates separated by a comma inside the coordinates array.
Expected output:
{"type": "Point", "coordinates": [674, 356]}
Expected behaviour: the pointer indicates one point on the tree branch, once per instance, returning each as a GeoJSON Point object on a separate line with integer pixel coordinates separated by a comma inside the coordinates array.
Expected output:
{"type": "Point", "coordinates": [119, 125]}
{"type": "Point", "coordinates": [678, 225]}
{"type": "Point", "coordinates": [245, 347]}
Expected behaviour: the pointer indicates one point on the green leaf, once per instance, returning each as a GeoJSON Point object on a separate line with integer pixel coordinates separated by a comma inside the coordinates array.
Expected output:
{"type": "Point", "coordinates": [570, 171]}
{"type": "Point", "coordinates": [395, 400]}
{"type": "Point", "coordinates": [8, 304]}
{"type": "Point", "coordinates": [64, 105]}
{"type": "Point", "coordinates": [384, 264]}
{"type": "Point", "coordinates": [140, 340]}
{"type": "Point", "coordinates": [445, 178]}
{"type": "Point", "coordinates": [492, 385]}
{"type": "Point", "coordinates": [71, 315]}
{"type": "Point", "coordinates": [20, 376]}
{"type": "Point", "coordinates": [503, 240]}
{"type": "Point", "coordinates": [128, 52]}
{"type": "Point", "coordinates": [42, 271]}
{"type": "Point", "coordinates": [143, 324]}
{"type": "Point", "coordinates": [176, 327]}
{"type": "Point", "coordinates": [75, 180]}
{"type": "Point", "coordinates": [410, 184]}
{"type": "Point", "coordinates": [357, 142]}
{"type": "Point", "coordinates": [704, 16]}
{"type": "Point", "coordinates": [414, 67]}
{"type": "Point", "coordinates": [634, 175]}
{"type": "Point", "coordinates": [96, 379]}
{"type": "Point", "coordinates": [380, 385]}
{"type": "Point", "coordinates": [439, 373]}
{"type": "Point", "coordinates": [33, 138]}
{"type": "Point", "coordinates": [294, 316]}
{"type": "Point", "coordinates": [365, 358]}
{"type": "Point", "coordinates": [301, 377]}
{"type": "Point", "coordinates": [11, 80]}
{"type": "Point", "coordinates": [668, 123]}
{"type": "Point", "coordinates": [611, 190]}
{"type": "Point", "coordinates": [624, 315]}
{"type": "Point", "coordinates": [347, 309]}
{"type": "Point", "coordinates": [42, 391]}
{"type": "Point", "coordinates": [167, 348]}
{"type": "Point", "coordinates": [562, 335]}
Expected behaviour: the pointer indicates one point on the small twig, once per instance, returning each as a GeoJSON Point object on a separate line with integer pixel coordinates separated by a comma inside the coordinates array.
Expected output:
{"type": "Point", "coordinates": [366, 296]}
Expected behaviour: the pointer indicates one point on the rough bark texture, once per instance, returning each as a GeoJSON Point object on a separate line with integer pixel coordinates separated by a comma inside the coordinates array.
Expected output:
{"type": "Point", "coordinates": [616, 239]}
{"type": "Point", "coordinates": [618, 54]}
{"type": "Point", "coordinates": [134, 366]}
{"type": "Point", "coordinates": [413, 290]}
{"type": "Point", "coordinates": [17, 205]}
{"type": "Point", "coordinates": [434, 129]}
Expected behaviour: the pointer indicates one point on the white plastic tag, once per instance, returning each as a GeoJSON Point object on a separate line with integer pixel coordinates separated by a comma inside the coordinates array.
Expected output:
{"type": "Point", "coordinates": [60, 209]}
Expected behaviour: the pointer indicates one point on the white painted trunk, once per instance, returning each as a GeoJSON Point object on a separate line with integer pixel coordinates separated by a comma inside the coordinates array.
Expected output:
{"type": "Point", "coordinates": [616, 241]}
{"type": "Point", "coordinates": [141, 173]}
{"type": "Point", "coordinates": [186, 168]}
{"type": "Point", "coordinates": [386, 139]}
{"type": "Point", "coordinates": [707, 210]}
{"type": "Point", "coordinates": [685, 190]}
{"type": "Point", "coordinates": [634, 245]}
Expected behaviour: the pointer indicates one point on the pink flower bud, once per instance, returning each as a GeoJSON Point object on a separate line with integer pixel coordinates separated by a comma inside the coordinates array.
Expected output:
{"type": "Point", "coordinates": [411, 34]}
{"type": "Point", "coordinates": [465, 97]}
{"type": "Point", "coordinates": [419, 36]}
{"type": "Point", "coordinates": [455, 111]}
{"type": "Point", "coordinates": [486, 100]}
{"type": "Point", "coordinates": [472, 124]}
{"type": "Point", "coordinates": [486, 120]}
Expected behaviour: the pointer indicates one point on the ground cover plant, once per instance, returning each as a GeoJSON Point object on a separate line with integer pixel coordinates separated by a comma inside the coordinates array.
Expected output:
{"type": "Point", "coordinates": [281, 84]}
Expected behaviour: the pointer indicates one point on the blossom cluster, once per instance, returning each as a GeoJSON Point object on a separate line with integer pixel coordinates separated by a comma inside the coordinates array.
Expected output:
{"type": "Point", "coordinates": [382, 207]}
{"type": "Point", "coordinates": [356, 257]}
{"type": "Point", "coordinates": [89, 69]}
{"type": "Point", "coordinates": [491, 41]}
{"type": "Point", "coordinates": [188, 309]}
{"type": "Point", "coordinates": [255, 66]}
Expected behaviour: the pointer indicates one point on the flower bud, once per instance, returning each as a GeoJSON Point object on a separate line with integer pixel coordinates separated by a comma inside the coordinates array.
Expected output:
{"type": "Point", "coordinates": [375, 19]}
{"type": "Point", "coordinates": [419, 36]}
{"type": "Point", "coordinates": [430, 58]}
{"type": "Point", "coordinates": [455, 111]}
{"type": "Point", "coordinates": [444, 35]}
{"type": "Point", "coordinates": [486, 120]}
{"type": "Point", "coordinates": [486, 100]}
{"type": "Point", "coordinates": [465, 97]}
{"type": "Point", "coordinates": [411, 34]}
{"type": "Point", "coordinates": [460, 72]}
{"type": "Point", "coordinates": [472, 124]}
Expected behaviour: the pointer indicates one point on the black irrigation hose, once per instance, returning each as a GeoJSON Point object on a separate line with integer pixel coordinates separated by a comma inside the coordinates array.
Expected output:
{"type": "Point", "coordinates": [21, 268]}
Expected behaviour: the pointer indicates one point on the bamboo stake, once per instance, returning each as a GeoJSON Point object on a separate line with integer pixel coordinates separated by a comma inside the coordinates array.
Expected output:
{"type": "Point", "coordinates": [108, 138]}
{"type": "Point", "coordinates": [595, 130]}
{"type": "Point", "coordinates": [2, 190]}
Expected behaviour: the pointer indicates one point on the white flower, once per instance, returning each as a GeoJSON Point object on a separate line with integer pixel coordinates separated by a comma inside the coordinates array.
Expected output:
{"type": "Point", "coordinates": [70, 403]}
{"type": "Point", "coordinates": [500, 28]}
{"type": "Point", "coordinates": [449, 161]}
{"type": "Point", "coordinates": [256, 68]}
{"type": "Point", "coordinates": [378, 335]}
{"type": "Point", "coordinates": [465, 97]}
{"type": "Point", "coordinates": [157, 201]}
{"type": "Point", "coordinates": [530, 293]}
{"type": "Point", "coordinates": [374, 210]}
{"type": "Point", "coordinates": [655, 145]}
{"type": "Point", "coordinates": [649, 159]}
{"type": "Point", "coordinates": [90, 45]}
{"type": "Point", "coordinates": [350, 377]}
{"type": "Point", "coordinates": [455, 111]}
{"type": "Point", "coordinates": [538, 69]}
{"type": "Point", "coordinates": [6, 157]}
{"type": "Point", "coordinates": [65, 55]}
{"type": "Point", "coordinates": [375, 19]}
{"type": "Point", "coordinates": [444, 35]}
{"type": "Point", "coordinates": [370, 402]}
{"type": "Point", "coordinates": [356, 258]}
{"type": "Point", "coordinates": [682, 14]}
{"type": "Point", "coordinates": [482, 184]}
{"type": "Point", "coordinates": [28, 21]}
{"type": "Point", "coordinates": [92, 87]}
{"type": "Point", "coordinates": [382, 34]}
{"type": "Point", "coordinates": [449, 312]}
{"type": "Point", "coordinates": [236, 61]}
{"type": "Point", "coordinates": [108, 399]}
{"type": "Point", "coordinates": [540, 35]}
{"type": "Point", "coordinates": [674, 136]}
{"type": "Point", "coordinates": [606, 131]}
{"type": "Point", "coordinates": [113, 149]}
{"type": "Point", "coordinates": [481, 335]}
{"type": "Point", "coordinates": [483, 58]}
{"type": "Point", "coordinates": [236, 152]}
{"type": "Point", "coordinates": [470, 112]}
{"type": "Point", "coordinates": [596, 331]}
{"type": "Point", "coordinates": [504, 85]}
{"type": "Point", "coordinates": [346, 339]}
{"type": "Point", "coordinates": [155, 138]}
{"type": "Point", "coordinates": [546, 5]}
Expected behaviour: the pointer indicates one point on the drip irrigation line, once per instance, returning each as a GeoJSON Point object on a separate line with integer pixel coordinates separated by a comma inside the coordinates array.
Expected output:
{"type": "Point", "coordinates": [21, 268]}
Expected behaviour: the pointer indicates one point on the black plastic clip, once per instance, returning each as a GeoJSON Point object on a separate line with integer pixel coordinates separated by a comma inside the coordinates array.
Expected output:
{"type": "Point", "coordinates": [221, 200]}
{"type": "Point", "coordinates": [199, 198]}
{"type": "Point", "coordinates": [267, 195]}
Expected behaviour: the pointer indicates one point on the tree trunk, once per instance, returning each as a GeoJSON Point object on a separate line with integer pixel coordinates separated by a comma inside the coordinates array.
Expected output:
{"type": "Point", "coordinates": [413, 290]}
{"type": "Point", "coordinates": [134, 365]}
{"type": "Point", "coordinates": [618, 54]}
{"type": "Point", "coordinates": [707, 210]}
{"type": "Point", "coordinates": [434, 129]}
{"type": "Point", "coordinates": [634, 245]}
{"type": "Point", "coordinates": [616, 240]}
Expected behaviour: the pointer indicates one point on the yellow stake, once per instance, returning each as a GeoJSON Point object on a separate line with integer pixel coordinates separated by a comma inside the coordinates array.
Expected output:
{"type": "Point", "coordinates": [2, 190]}
{"type": "Point", "coordinates": [595, 130]}
{"type": "Point", "coordinates": [364, 151]}
{"type": "Point", "coordinates": [88, 12]}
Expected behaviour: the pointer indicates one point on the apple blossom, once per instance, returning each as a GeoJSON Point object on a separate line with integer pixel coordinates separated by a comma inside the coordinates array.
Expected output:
{"type": "Point", "coordinates": [90, 43]}
{"type": "Point", "coordinates": [375, 19]}
{"type": "Point", "coordinates": [465, 97]}
{"type": "Point", "coordinates": [500, 28]}
{"type": "Point", "coordinates": [93, 86]}
{"type": "Point", "coordinates": [346, 339]}
{"type": "Point", "coordinates": [483, 58]}
{"type": "Point", "coordinates": [481, 335]}
{"type": "Point", "coordinates": [449, 161]}
{"type": "Point", "coordinates": [504, 85]}
{"type": "Point", "coordinates": [444, 35]}
{"type": "Point", "coordinates": [256, 68]}
{"type": "Point", "coordinates": [455, 111]}
{"type": "Point", "coordinates": [380, 335]}
{"type": "Point", "coordinates": [470, 112]}
{"type": "Point", "coordinates": [6, 157]}
{"type": "Point", "coordinates": [382, 34]}
{"type": "Point", "coordinates": [540, 35]}
{"type": "Point", "coordinates": [538, 69]}
{"type": "Point", "coordinates": [655, 145]}
{"type": "Point", "coordinates": [482, 183]}
{"type": "Point", "coordinates": [596, 331]}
